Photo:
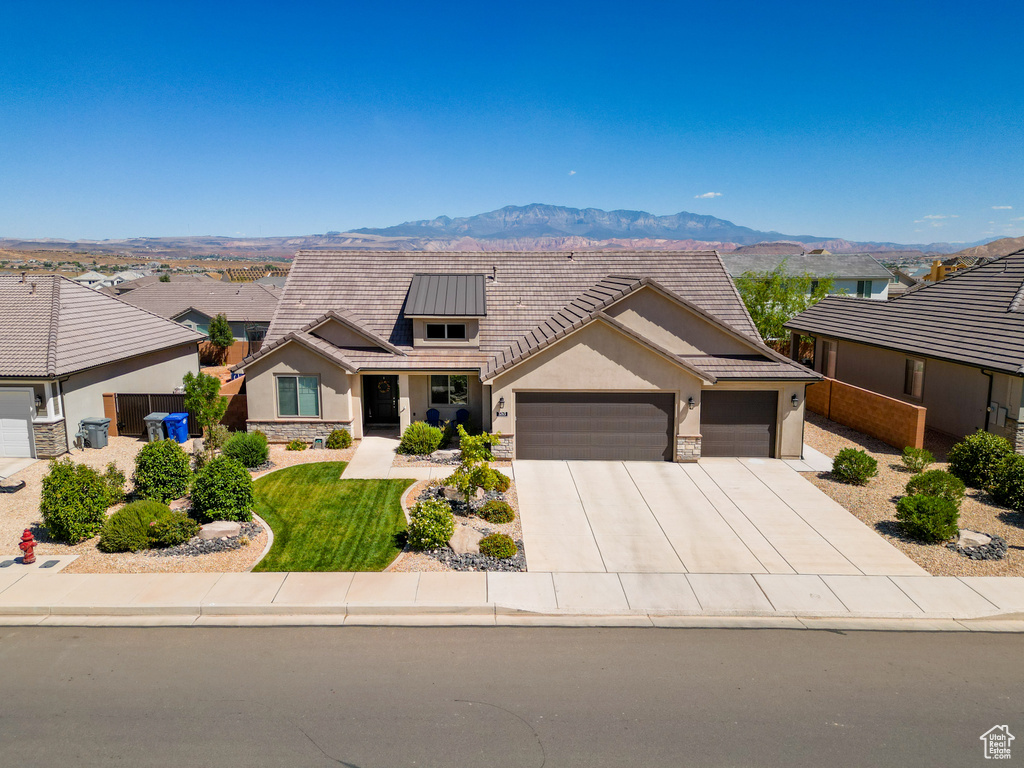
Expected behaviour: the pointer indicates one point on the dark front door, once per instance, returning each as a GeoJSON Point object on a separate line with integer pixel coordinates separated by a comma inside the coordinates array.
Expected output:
{"type": "Point", "coordinates": [734, 423]}
{"type": "Point", "coordinates": [380, 399]}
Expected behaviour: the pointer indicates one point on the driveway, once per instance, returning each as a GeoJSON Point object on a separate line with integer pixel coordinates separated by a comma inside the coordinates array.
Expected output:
{"type": "Point", "coordinates": [717, 516]}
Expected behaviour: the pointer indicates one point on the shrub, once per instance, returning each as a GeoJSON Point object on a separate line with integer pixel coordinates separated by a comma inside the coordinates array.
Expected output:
{"type": "Point", "coordinates": [467, 479]}
{"type": "Point", "coordinates": [114, 480]}
{"type": "Point", "coordinates": [223, 491]}
{"type": "Point", "coordinates": [203, 399]}
{"type": "Point", "coordinates": [74, 501]}
{"type": "Point", "coordinates": [937, 482]}
{"type": "Point", "coordinates": [295, 445]}
{"type": "Point", "coordinates": [917, 459]}
{"type": "Point", "coordinates": [162, 472]}
{"type": "Point", "coordinates": [498, 545]}
{"type": "Point", "coordinates": [172, 530]}
{"type": "Point", "coordinates": [1008, 482]}
{"type": "Point", "coordinates": [216, 437]}
{"type": "Point", "coordinates": [503, 481]}
{"type": "Point", "coordinates": [339, 439]}
{"type": "Point", "coordinates": [497, 512]}
{"type": "Point", "coordinates": [247, 448]}
{"type": "Point", "coordinates": [974, 458]}
{"type": "Point", "coordinates": [477, 447]}
{"type": "Point", "coordinates": [447, 433]}
{"type": "Point", "coordinates": [431, 524]}
{"type": "Point", "coordinates": [128, 529]}
{"type": "Point", "coordinates": [927, 518]}
{"type": "Point", "coordinates": [419, 439]}
{"type": "Point", "coordinates": [854, 467]}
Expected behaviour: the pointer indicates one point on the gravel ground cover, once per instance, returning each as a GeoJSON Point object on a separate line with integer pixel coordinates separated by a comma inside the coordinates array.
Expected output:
{"type": "Point", "coordinates": [875, 503]}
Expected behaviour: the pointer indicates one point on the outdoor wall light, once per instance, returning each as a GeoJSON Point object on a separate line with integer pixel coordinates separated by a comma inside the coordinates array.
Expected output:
{"type": "Point", "coordinates": [690, 403]}
{"type": "Point", "coordinates": [794, 401]}
{"type": "Point", "coordinates": [501, 403]}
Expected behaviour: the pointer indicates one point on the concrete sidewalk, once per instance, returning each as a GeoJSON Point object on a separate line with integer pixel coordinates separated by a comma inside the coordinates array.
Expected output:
{"type": "Point", "coordinates": [569, 599]}
{"type": "Point", "coordinates": [374, 457]}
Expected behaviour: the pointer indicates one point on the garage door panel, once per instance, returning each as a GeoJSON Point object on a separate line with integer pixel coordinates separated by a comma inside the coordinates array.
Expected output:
{"type": "Point", "coordinates": [595, 426]}
{"type": "Point", "coordinates": [15, 424]}
{"type": "Point", "coordinates": [737, 423]}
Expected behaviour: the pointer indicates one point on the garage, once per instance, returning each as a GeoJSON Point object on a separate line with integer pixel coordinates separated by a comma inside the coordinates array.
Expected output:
{"type": "Point", "coordinates": [737, 423]}
{"type": "Point", "coordinates": [608, 426]}
{"type": "Point", "coordinates": [15, 424]}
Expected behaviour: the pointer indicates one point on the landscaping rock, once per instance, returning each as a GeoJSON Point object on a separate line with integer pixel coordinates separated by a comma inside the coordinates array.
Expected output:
{"type": "Point", "coordinates": [466, 540]}
{"type": "Point", "coordinates": [221, 529]}
{"type": "Point", "coordinates": [993, 547]}
{"type": "Point", "coordinates": [446, 456]}
{"type": "Point", "coordinates": [972, 539]}
{"type": "Point", "coordinates": [451, 494]}
{"type": "Point", "coordinates": [196, 546]}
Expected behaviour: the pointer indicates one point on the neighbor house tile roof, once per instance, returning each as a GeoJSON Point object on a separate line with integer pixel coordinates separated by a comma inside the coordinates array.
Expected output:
{"type": "Point", "coordinates": [531, 296]}
{"type": "Point", "coordinates": [974, 316]}
{"type": "Point", "coordinates": [142, 282]}
{"type": "Point", "coordinates": [841, 266]}
{"type": "Point", "coordinates": [52, 326]}
{"type": "Point", "coordinates": [239, 302]}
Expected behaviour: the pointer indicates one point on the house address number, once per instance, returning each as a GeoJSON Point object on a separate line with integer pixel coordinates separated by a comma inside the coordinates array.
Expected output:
{"type": "Point", "coordinates": [502, 413]}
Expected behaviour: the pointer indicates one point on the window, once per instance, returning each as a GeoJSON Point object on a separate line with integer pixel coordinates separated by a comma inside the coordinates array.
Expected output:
{"type": "Point", "coordinates": [864, 289]}
{"type": "Point", "coordinates": [446, 331]}
{"type": "Point", "coordinates": [449, 390]}
{"type": "Point", "coordinates": [298, 396]}
{"type": "Point", "coordinates": [913, 379]}
{"type": "Point", "coordinates": [814, 285]}
{"type": "Point", "coordinates": [829, 352]}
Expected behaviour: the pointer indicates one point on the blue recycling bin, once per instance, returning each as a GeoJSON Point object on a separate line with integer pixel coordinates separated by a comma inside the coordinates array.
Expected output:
{"type": "Point", "coordinates": [177, 426]}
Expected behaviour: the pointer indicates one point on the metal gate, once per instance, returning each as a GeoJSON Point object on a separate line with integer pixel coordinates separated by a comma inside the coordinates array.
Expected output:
{"type": "Point", "coordinates": [132, 410]}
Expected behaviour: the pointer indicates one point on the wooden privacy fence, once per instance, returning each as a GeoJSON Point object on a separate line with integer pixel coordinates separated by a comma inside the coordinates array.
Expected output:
{"type": "Point", "coordinates": [893, 421]}
{"type": "Point", "coordinates": [128, 411]}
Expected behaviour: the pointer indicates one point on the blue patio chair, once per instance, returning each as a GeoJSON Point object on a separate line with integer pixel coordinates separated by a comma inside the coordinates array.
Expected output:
{"type": "Point", "coordinates": [462, 417]}
{"type": "Point", "coordinates": [434, 417]}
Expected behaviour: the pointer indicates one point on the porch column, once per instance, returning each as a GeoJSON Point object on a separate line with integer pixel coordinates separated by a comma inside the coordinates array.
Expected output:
{"type": "Point", "coordinates": [794, 346]}
{"type": "Point", "coordinates": [404, 411]}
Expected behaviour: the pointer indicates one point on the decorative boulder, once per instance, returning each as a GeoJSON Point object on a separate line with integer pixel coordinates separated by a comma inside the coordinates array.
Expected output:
{"type": "Point", "coordinates": [466, 540]}
{"type": "Point", "coordinates": [220, 529]}
{"type": "Point", "coordinates": [970, 539]}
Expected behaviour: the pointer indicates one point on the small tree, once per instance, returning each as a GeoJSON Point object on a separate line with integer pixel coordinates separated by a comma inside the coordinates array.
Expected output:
{"type": "Point", "coordinates": [773, 297]}
{"type": "Point", "coordinates": [165, 278]}
{"type": "Point", "coordinates": [203, 398]}
{"type": "Point", "coordinates": [221, 335]}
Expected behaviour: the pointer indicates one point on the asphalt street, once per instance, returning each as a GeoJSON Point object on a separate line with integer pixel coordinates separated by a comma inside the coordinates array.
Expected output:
{"type": "Point", "coordinates": [495, 697]}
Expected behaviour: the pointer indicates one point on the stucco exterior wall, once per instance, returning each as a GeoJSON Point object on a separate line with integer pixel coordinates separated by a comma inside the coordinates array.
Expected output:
{"type": "Point", "coordinates": [419, 399]}
{"type": "Point", "coordinates": [336, 402]}
{"type": "Point", "coordinates": [157, 372]}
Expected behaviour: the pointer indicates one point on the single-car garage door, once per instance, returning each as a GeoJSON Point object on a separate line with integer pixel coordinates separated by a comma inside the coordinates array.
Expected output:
{"type": "Point", "coordinates": [15, 424]}
{"type": "Point", "coordinates": [738, 423]}
{"type": "Point", "coordinates": [611, 426]}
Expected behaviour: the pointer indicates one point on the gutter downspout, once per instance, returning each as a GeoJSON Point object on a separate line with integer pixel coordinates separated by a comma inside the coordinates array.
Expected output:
{"type": "Point", "coordinates": [988, 407]}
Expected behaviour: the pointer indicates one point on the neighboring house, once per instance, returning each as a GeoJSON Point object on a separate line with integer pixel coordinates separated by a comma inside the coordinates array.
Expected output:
{"type": "Point", "coordinates": [194, 303]}
{"type": "Point", "coordinates": [901, 282]}
{"type": "Point", "coordinates": [954, 346]}
{"type": "Point", "coordinates": [63, 345]}
{"type": "Point", "coordinates": [93, 279]}
{"type": "Point", "coordinates": [855, 274]}
{"type": "Point", "coordinates": [276, 281]}
{"type": "Point", "coordinates": [624, 355]}
{"type": "Point", "coordinates": [142, 282]}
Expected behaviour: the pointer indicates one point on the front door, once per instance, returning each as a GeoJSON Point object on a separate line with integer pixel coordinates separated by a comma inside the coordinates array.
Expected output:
{"type": "Point", "coordinates": [380, 399]}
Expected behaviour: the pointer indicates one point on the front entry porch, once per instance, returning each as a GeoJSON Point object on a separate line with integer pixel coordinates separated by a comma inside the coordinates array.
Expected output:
{"type": "Point", "coordinates": [380, 400]}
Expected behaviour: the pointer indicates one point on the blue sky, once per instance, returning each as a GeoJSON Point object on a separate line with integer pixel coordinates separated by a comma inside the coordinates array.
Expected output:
{"type": "Point", "coordinates": [870, 121]}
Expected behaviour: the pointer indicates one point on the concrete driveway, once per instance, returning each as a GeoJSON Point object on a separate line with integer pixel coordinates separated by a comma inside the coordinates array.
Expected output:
{"type": "Point", "coordinates": [717, 516]}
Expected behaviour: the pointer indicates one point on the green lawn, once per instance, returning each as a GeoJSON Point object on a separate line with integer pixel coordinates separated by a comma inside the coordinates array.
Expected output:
{"type": "Point", "coordinates": [323, 523]}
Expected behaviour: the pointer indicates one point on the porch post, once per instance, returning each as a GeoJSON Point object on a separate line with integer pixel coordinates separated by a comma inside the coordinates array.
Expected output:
{"type": "Point", "coordinates": [404, 411]}
{"type": "Point", "coordinates": [794, 346]}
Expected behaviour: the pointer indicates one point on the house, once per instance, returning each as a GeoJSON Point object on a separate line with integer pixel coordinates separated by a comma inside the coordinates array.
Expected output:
{"type": "Point", "coordinates": [594, 355]}
{"type": "Point", "coordinates": [855, 274]}
{"type": "Point", "coordinates": [194, 303]}
{"type": "Point", "coordinates": [141, 282]}
{"type": "Point", "coordinates": [251, 274]}
{"type": "Point", "coordinates": [63, 345]}
{"type": "Point", "coordinates": [901, 283]}
{"type": "Point", "coordinates": [92, 279]}
{"type": "Point", "coordinates": [955, 346]}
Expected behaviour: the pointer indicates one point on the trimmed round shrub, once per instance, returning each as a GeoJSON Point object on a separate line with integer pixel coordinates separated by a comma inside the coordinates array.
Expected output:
{"type": "Point", "coordinates": [172, 530]}
{"type": "Point", "coordinates": [162, 471]}
{"type": "Point", "coordinates": [431, 524]}
{"type": "Point", "coordinates": [854, 467]}
{"type": "Point", "coordinates": [502, 481]}
{"type": "Point", "coordinates": [295, 445]}
{"type": "Point", "coordinates": [1008, 482]}
{"type": "Point", "coordinates": [74, 501]}
{"type": "Point", "coordinates": [128, 529]}
{"type": "Point", "coordinates": [974, 458]}
{"type": "Point", "coordinates": [917, 459]}
{"type": "Point", "coordinates": [338, 439]}
{"type": "Point", "coordinates": [930, 519]}
{"type": "Point", "coordinates": [223, 490]}
{"type": "Point", "coordinates": [497, 512]}
{"type": "Point", "coordinates": [937, 482]}
{"type": "Point", "coordinates": [420, 439]}
{"type": "Point", "coordinates": [247, 448]}
{"type": "Point", "coordinates": [498, 545]}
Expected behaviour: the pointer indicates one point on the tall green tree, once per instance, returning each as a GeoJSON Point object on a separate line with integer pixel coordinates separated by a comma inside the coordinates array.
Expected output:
{"type": "Point", "coordinates": [773, 297]}
{"type": "Point", "coordinates": [203, 398]}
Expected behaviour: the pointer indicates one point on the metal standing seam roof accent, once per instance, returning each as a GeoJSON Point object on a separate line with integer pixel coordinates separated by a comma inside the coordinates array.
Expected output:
{"type": "Point", "coordinates": [447, 295]}
{"type": "Point", "coordinates": [971, 317]}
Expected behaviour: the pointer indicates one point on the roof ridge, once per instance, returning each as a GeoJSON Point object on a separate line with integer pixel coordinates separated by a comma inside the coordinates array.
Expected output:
{"type": "Point", "coordinates": [915, 289]}
{"type": "Point", "coordinates": [51, 352]}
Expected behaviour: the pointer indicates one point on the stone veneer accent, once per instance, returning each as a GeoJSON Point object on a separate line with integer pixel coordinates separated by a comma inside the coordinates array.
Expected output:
{"type": "Point", "coordinates": [506, 448]}
{"type": "Point", "coordinates": [688, 448]}
{"type": "Point", "coordinates": [1018, 440]}
{"type": "Point", "coordinates": [51, 439]}
{"type": "Point", "coordinates": [286, 431]}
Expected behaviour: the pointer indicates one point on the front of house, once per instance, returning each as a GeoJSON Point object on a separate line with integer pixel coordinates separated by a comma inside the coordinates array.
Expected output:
{"type": "Point", "coordinates": [624, 356]}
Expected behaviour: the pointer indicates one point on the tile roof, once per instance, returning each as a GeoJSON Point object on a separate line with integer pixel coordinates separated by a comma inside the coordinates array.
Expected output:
{"type": "Point", "coordinates": [531, 297]}
{"type": "Point", "coordinates": [974, 316]}
{"type": "Point", "coordinates": [436, 295]}
{"type": "Point", "coordinates": [51, 326]}
{"type": "Point", "coordinates": [843, 266]}
{"type": "Point", "coordinates": [239, 302]}
{"type": "Point", "coordinates": [142, 282]}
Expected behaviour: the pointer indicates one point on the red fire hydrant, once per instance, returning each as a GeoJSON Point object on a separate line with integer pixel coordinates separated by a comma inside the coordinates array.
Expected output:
{"type": "Point", "coordinates": [28, 546]}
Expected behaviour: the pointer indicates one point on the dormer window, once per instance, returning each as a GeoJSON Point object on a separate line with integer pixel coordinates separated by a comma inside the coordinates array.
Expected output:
{"type": "Point", "coordinates": [439, 331]}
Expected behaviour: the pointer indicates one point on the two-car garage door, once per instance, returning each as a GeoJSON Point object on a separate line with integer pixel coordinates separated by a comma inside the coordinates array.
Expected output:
{"type": "Point", "coordinates": [15, 424]}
